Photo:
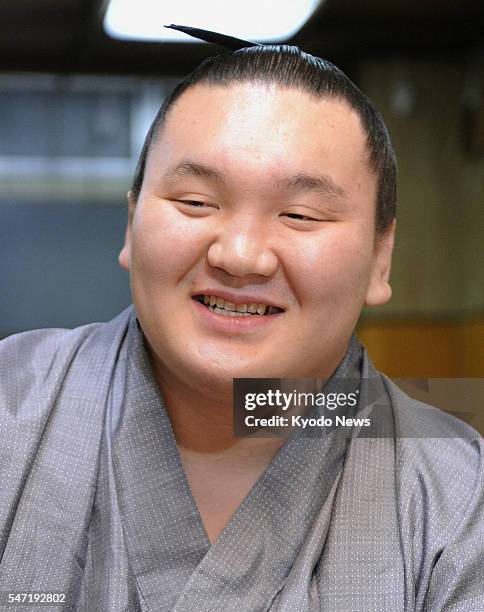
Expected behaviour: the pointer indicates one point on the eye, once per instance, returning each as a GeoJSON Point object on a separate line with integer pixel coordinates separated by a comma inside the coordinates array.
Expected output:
{"type": "Point", "coordinates": [193, 203]}
{"type": "Point", "coordinates": [298, 217]}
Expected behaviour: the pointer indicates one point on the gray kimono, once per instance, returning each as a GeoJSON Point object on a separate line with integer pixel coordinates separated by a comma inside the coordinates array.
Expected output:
{"type": "Point", "coordinates": [95, 504]}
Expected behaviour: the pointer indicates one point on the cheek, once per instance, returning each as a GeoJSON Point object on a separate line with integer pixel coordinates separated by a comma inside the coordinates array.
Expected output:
{"type": "Point", "coordinates": [330, 268]}
{"type": "Point", "coordinates": [165, 245]}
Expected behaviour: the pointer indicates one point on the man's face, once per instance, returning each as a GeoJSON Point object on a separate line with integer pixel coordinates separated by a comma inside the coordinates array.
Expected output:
{"type": "Point", "coordinates": [255, 195]}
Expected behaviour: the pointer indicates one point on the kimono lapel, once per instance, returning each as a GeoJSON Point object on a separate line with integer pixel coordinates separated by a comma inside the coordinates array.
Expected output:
{"type": "Point", "coordinates": [164, 535]}
{"type": "Point", "coordinates": [361, 566]}
{"type": "Point", "coordinates": [254, 554]}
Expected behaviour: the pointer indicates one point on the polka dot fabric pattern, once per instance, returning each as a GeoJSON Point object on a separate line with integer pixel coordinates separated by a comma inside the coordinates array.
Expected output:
{"type": "Point", "coordinates": [95, 503]}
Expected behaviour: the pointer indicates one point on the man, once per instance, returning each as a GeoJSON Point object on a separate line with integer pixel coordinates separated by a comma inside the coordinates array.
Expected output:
{"type": "Point", "coordinates": [261, 219]}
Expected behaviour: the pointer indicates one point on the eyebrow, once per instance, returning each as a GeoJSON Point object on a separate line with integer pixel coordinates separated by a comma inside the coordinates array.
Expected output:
{"type": "Point", "coordinates": [190, 168]}
{"type": "Point", "coordinates": [320, 184]}
{"type": "Point", "coordinates": [298, 182]}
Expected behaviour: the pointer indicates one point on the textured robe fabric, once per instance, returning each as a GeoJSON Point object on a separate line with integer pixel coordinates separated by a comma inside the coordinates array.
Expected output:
{"type": "Point", "coordinates": [94, 501]}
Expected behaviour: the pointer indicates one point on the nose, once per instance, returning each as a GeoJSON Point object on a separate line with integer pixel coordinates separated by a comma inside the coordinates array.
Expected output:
{"type": "Point", "coordinates": [243, 248]}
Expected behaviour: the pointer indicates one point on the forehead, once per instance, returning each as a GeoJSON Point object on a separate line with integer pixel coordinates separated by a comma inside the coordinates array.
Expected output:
{"type": "Point", "coordinates": [262, 129]}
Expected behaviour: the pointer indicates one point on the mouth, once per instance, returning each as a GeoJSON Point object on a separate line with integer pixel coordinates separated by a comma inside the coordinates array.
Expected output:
{"type": "Point", "coordinates": [232, 309]}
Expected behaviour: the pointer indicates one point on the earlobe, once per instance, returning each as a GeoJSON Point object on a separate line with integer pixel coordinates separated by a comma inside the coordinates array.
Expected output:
{"type": "Point", "coordinates": [124, 257]}
{"type": "Point", "coordinates": [379, 290]}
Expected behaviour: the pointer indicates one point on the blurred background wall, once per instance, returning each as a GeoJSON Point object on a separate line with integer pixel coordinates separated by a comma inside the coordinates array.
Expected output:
{"type": "Point", "coordinates": [435, 317]}
{"type": "Point", "coordinates": [74, 108]}
{"type": "Point", "coordinates": [68, 148]}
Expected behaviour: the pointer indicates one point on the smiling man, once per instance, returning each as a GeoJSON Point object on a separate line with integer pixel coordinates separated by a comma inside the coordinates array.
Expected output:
{"type": "Point", "coordinates": [261, 220]}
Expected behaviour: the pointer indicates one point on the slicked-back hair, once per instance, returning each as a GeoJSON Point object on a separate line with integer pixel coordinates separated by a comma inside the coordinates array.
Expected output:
{"type": "Point", "coordinates": [288, 66]}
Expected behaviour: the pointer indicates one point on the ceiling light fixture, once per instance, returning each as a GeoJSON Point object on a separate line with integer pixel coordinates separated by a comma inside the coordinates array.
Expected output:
{"type": "Point", "coordinates": [256, 20]}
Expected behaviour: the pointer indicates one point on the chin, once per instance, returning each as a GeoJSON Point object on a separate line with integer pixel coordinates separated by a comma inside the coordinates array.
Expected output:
{"type": "Point", "coordinates": [217, 373]}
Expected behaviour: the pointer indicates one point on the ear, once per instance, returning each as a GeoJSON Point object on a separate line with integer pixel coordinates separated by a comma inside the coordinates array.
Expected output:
{"type": "Point", "coordinates": [124, 257]}
{"type": "Point", "coordinates": [379, 290]}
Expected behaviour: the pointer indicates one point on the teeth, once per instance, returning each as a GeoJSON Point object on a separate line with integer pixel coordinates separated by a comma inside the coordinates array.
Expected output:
{"type": "Point", "coordinates": [221, 311]}
{"type": "Point", "coordinates": [228, 313]}
{"type": "Point", "coordinates": [220, 306]}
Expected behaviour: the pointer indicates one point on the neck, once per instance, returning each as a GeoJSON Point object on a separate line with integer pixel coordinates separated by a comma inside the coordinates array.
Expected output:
{"type": "Point", "coordinates": [203, 426]}
{"type": "Point", "coordinates": [202, 419]}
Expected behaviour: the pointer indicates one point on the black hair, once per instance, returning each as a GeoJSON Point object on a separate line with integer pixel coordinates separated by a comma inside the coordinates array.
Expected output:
{"type": "Point", "coordinates": [288, 66]}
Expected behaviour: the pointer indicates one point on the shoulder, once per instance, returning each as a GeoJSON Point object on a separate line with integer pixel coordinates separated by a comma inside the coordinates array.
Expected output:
{"type": "Point", "coordinates": [41, 342]}
{"type": "Point", "coordinates": [49, 341]}
{"type": "Point", "coordinates": [432, 441]}
{"type": "Point", "coordinates": [28, 357]}
{"type": "Point", "coordinates": [417, 419]}
{"type": "Point", "coordinates": [33, 357]}
{"type": "Point", "coordinates": [38, 359]}
{"type": "Point", "coordinates": [439, 473]}
{"type": "Point", "coordinates": [436, 447]}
